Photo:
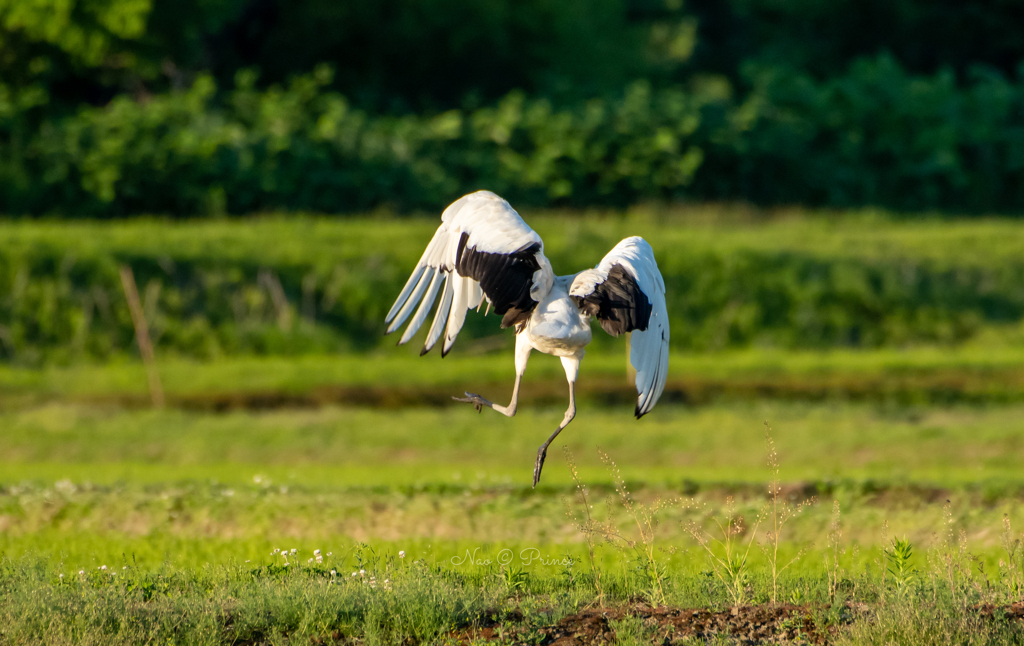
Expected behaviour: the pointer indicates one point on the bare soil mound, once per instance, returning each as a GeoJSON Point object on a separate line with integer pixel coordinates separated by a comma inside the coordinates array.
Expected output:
{"type": "Point", "coordinates": [764, 624]}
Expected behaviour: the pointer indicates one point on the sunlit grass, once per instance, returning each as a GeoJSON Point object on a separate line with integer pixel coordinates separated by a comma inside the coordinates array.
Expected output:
{"type": "Point", "coordinates": [353, 446]}
{"type": "Point", "coordinates": [190, 524]}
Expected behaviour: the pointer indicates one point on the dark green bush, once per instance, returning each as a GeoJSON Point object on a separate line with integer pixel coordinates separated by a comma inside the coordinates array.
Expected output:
{"type": "Point", "coordinates": [876, 135]}
{"type": "Point", "coordinates": [303, 147]}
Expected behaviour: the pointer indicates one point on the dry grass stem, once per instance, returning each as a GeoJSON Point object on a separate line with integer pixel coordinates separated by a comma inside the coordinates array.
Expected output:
{"type": "Point", "coordinates": [835, 550]}
{"type": "Point", "coordinates": [585, 523]}
{"type": "Point", "coordinates": [779, 511]}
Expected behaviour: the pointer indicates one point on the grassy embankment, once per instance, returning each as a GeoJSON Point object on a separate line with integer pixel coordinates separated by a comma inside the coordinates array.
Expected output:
{"type": "Point", "coordinates": [295, 286]}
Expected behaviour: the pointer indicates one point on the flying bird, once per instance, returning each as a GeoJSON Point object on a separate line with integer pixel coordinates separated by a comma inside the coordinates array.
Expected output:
{"type": "Point", "coordinates": [483, 250]}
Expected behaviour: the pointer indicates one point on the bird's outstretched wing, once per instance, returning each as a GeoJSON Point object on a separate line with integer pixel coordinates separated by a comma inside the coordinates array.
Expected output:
{"type": "Point", "coordinates": [626, 293]}
{"type": "Point", "coordinates": [482, 248]}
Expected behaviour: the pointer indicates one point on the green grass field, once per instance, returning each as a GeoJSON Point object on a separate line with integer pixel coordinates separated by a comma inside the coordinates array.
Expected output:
{"type": "Point", "coordinates": [192, 497]}
{"type": "Point", "coordinates": [120, 523]}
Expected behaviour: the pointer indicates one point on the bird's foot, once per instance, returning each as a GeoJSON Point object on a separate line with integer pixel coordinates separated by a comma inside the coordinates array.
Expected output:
{"type": "Point", "coordinates": [477, 401]}
{"type": "Point", "coordinates": [541, 454]}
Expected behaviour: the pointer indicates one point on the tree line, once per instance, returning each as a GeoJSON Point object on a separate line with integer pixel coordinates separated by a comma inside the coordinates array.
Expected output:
{"type": "Point", "coordinates": [110, 108]}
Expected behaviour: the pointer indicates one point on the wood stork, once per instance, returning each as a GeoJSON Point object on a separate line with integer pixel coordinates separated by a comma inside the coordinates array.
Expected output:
{"type": "Point", "coordinates": [484, 250]}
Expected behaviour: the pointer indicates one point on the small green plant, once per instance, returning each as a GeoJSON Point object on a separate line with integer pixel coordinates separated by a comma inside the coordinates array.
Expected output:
{"type": "Point", "coordinates": [632, 631]}
{"type": "Point", "coordinates": [515, 579]}
{"type": "Point", "coordinates": [568, 574]}
{"type": "Point", "coordinates": [898, 565]}
{"type": "Point", "coordinates": [729, 562]}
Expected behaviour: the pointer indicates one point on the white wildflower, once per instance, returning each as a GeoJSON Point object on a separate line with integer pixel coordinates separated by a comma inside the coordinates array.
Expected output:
{"type": "Point", "coordinates": [401, 554]}
{"type": "Point", "coordinates": [103, 567]}
{"type": "Point", "coordinates": [316, 552]}
{"type": "Point", "coordinates": [333, 573]}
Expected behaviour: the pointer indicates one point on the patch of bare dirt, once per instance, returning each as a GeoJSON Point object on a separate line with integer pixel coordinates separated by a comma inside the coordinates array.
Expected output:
{"type": "Point", "coordinates": [1012, 612]}
{"type": "Point", "coordinates": [765, 624]}
{"type": "Point", "coordinates": [745, 625]}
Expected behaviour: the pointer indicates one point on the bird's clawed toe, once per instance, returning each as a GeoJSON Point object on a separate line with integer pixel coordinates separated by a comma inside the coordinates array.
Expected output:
{"type": "Point", "coordinates": [541, 454]}
{"type": "Point", "coordinates": [472, 398]}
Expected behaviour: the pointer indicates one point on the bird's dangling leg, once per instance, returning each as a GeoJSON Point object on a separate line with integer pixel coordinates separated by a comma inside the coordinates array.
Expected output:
{"type": "Point", "coordinates": [522, 356]}
{"type": "Point", "coordinates": [572, 368]}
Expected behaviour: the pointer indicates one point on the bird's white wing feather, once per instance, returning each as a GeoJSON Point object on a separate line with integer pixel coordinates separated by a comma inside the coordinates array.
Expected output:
{"type": "Point", "coordinates": [482, 248]}
{"type": "Point", "coordinates": [626, 293]}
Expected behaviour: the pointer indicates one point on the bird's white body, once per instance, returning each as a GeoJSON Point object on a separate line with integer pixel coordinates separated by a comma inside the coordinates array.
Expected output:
{"type": "Point", "coordinates": [556, 326]}
{"type": "Point", "coordinates": [484, 250]}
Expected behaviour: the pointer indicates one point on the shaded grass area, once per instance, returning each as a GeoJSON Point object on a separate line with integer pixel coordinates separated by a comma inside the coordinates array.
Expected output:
{"type": "Point", "coordinates": [989, 370]}
{"type": "Point", "coordinates": [727, 228]}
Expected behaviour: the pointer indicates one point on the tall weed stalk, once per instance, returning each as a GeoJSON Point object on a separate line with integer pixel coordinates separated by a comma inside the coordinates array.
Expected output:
{"type": "Point", "coordinates": [585, 522]}
{"type": "Point", "coordinates": [643, 518]}
{"type": "Point", "coordinates": [778, 511]}
{"type": "Point", "coordinates": [833, 571]}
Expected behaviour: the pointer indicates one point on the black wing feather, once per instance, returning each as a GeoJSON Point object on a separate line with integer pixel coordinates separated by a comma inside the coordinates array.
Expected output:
{"type": "Point", "coordinates": [506, 278]}
{"type": "Point", "coordinates": [618, 303]}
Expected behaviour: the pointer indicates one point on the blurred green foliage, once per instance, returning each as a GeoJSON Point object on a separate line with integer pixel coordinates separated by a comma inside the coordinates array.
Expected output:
{"type": "Point", "coordinates": [875, 135]}
{"type": "Point", "coordinates": [285, 286]}
{"type": "Point", "coordinates": [211, 106]}
{"type": "Point", "coordinates": [302, 146]}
